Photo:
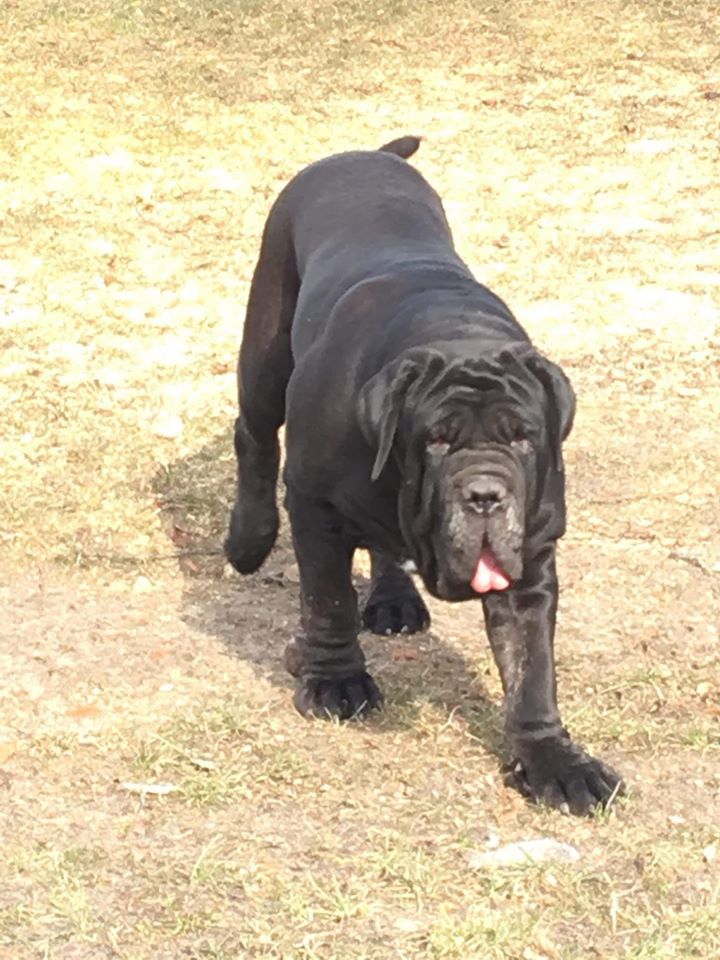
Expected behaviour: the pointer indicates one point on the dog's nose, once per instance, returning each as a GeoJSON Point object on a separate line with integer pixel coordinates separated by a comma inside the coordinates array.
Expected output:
{"type": "Point", "coordinates": [482, 495]}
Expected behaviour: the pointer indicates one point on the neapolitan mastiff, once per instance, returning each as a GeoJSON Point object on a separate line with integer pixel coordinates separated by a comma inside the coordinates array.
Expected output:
{"type": "Point", "coordinates": [421, 424]}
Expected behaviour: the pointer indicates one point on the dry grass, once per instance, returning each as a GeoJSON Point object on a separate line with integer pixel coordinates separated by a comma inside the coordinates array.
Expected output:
{"type": "Point", "coordinates": [141, 144]}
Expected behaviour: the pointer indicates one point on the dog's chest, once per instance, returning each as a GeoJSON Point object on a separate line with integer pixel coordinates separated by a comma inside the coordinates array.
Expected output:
{"type": "Point", "coordinates": [370, 517]}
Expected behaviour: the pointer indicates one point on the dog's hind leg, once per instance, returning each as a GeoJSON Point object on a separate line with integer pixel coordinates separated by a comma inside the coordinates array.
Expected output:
{"type": "Point", "coordinates": [264, 367]}
{"type": "Point", "coordinates": [394, 604]}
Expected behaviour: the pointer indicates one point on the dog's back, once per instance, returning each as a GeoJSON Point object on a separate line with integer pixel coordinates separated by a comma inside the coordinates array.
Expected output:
{"type": "Point", "coordinates": [358, 215]}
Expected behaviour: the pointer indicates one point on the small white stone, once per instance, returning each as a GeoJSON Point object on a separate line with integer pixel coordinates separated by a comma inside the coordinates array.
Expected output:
{"type": "Point", "coordinates": [203, 763]}
{"type": "Point", "coordinates": [168, 425]}
{"type": "Point", "coordinates": [525, 853]}
{"type": "Point", "coordinates": [154, 789]}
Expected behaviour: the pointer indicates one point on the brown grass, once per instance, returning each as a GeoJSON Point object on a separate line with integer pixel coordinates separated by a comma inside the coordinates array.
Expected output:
{"type": "Point", "coordinates": [576, 148]}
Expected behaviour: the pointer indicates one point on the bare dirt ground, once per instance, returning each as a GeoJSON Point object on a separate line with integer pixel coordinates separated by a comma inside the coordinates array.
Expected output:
{"type": "Point", "coordinates": [577, 150]}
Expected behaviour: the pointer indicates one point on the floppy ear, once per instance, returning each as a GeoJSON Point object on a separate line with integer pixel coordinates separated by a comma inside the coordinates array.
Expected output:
{"type": "Point", "coordinates": [380, 405]}
{"type": "Point", "coordinates": [381, 400]}
{"type": "Point", "coordinates": [562, 401]}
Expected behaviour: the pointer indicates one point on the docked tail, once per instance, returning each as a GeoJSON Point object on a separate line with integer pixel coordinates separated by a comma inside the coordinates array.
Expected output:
{"type": "Point", "coordinates": [403, 147]}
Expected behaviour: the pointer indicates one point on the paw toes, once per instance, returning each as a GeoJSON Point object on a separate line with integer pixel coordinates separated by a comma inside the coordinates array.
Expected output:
{"type": "Point", "coordinates": [359, 698]}
{"type": "Point", "coordinates": [581, 800]}
{"type": "Point", "coordinates": [341, 699]}
{"type": "Point", "coordinates": [613, 779]}
{"type": "Point", "coordinates": [415, 617]}
{"type": "Point", "coordinates": [561, 775]}
{"type": "Point", "coordinates": [304, 700]}
{"type": "Point", "coordinates": [397, 616]}
{"type": "Point", "coordinates": [552, 795]}
{"type": "Point", "coordinates": [604, 784]}
{"type": "Point", "coordinates": [329, 701]}
{"type": "Point", "coordinates": [378, 618]}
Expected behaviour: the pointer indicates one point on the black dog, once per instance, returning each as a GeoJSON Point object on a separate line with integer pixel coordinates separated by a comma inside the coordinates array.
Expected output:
{"type": "Point", "coordinates": [421, 424]}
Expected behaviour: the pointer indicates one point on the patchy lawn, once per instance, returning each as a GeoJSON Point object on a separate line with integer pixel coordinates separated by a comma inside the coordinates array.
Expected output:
{"type": "Point", "coordinates": [576, 148]}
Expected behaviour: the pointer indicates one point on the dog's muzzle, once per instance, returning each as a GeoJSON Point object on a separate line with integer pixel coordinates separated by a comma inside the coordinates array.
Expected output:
{"type": "Point", "coordinates": [483, 502]}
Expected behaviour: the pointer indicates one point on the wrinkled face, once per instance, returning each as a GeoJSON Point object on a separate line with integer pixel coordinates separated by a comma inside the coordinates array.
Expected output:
{"type": "Point", "coordinates": [476, 443]}
{"type": "Point", "coordinates": [478, 478]}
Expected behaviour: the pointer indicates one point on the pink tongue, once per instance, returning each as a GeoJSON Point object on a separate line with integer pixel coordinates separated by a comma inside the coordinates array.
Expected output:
{"type": "Point", "coordinates": [488, 575]}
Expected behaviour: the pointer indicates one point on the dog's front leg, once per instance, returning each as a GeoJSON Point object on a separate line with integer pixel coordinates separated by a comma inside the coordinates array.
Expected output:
{"type": "Point", "coordinates": [327, 659]}
{"type": "Point", "coordinates": [521, 625]}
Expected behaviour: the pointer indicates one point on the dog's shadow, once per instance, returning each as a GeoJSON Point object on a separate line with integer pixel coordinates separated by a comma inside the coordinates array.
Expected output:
{"type": "Point", "coordinates": [255, 617]}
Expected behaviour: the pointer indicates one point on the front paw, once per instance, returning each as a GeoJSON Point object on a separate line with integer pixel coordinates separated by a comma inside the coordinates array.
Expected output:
{"type": "Point", "coordinates": [402, 613]}
{"type": "Point", "coordinates": [345, 698]}
{"type": "Point", "coordinates": [558, 773]}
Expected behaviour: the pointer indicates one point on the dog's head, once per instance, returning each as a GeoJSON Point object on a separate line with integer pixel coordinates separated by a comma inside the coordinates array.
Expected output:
{"type": "Point", "coordinates": [477, 445]}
